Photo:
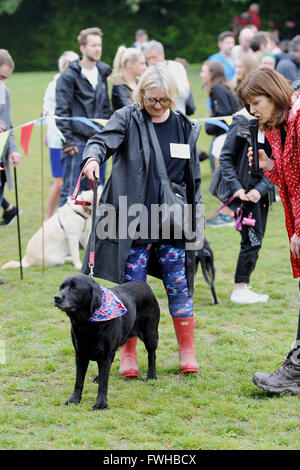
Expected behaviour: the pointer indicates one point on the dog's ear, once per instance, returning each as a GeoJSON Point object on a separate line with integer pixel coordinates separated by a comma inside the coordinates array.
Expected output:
{"type": "Point", "coordinates": [96, 297]}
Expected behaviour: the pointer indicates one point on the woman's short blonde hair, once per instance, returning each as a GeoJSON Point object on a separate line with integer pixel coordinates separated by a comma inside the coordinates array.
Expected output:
{"type": "Point", "coordinates": [156, 76]}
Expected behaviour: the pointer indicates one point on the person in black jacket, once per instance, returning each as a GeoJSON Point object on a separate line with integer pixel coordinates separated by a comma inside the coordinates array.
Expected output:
{"type": "Point", "coordinates": [81, 91]}
{"type": "Point", "coordinates": [129, 64]}
{"type": "Point", "coordinates": [252, 192]}
{"type": "Point", "coordinates": [128, 249]}
{"type": "Point", "coordinates": [222, 103]}
{"type": "Point", "coordinates": [220, 94]}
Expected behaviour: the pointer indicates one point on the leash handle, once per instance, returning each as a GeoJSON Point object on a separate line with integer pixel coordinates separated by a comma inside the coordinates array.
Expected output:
{"type": "Point", "coordinates": [76, 190]}
{"type": "Point", "coordinates": [93, 231]}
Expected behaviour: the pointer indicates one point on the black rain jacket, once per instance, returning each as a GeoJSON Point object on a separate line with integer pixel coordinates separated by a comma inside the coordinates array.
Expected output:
{"type": "Point", "coordinates": [125, 137]}
{"type": "Point", "coordinates": [75, 97]}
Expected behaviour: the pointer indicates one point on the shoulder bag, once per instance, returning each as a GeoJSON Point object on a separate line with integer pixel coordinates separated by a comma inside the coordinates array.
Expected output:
{"type": "Point", "coordinates": [174, 210]}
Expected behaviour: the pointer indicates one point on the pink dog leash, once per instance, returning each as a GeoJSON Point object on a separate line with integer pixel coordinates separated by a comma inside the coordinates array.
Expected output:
{"type": "Point", "coordinates": [220, 208]}
{"type": "Point", "coordinates": [94, 185]}
{"type": "Point", "coordinates": [76, 190]}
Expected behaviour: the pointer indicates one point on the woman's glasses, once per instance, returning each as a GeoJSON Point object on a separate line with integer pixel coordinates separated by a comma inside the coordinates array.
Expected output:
{"type": "Point", "coordinates": [161, 101]}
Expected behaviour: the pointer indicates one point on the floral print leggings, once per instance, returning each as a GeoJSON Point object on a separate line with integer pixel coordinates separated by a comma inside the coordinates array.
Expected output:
{"type": "Point", "coordinates": [172, 261]}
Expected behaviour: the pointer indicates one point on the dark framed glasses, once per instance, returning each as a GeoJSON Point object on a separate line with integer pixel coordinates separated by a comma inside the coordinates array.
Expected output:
{"type": "Point", "coordinates": [161, 101]}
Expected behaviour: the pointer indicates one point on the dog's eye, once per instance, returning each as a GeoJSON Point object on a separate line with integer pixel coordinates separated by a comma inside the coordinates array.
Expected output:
{"type": "Point", "coordinates": [73, 287]}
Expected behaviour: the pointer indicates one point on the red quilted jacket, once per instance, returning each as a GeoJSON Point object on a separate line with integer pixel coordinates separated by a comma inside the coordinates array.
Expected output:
{"type": "Point", "coordinates": [286, 172]}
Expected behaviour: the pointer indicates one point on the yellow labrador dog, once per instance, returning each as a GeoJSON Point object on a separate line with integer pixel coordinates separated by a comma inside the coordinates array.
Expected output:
{"type": "Point", "coordinates": [63, 232]}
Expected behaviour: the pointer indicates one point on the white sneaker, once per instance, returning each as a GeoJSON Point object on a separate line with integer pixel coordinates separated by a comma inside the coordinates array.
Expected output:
{"type": "Point", "coordinates": [247, 296]}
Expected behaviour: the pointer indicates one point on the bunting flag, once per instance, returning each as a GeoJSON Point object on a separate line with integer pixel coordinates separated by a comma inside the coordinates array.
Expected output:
{"type": "Point", "coordinates": [27, 128]}
{"type": "Point", "coordinates": [3, 140]}
{"type": "Point", "coordinates": [26, 132]}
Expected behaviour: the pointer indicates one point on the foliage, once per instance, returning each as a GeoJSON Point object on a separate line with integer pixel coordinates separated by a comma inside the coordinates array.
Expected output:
{"type": "Point", "coordinates": [186, 28]}
{"type": "Point", "coordinates": [219, 408]}
{"type": "Point", "coordinates": [9, 6]}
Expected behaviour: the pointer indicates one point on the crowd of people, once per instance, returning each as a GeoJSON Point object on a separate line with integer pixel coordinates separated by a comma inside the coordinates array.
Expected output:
{"type": "Point", "coordinates": [146, 112]}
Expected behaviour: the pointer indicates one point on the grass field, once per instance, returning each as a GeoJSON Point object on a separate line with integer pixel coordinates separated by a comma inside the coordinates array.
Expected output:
{"type": "Point", "coordinates": [219, 408]}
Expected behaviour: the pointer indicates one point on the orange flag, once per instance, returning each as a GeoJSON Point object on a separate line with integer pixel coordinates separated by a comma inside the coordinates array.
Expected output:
{"type": "Point", "coordinates": [26, 132]}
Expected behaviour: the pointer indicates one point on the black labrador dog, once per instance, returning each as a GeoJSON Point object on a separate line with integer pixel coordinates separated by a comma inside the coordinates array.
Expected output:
{"type": "Point", "coordinates": [80, 296]}
{"type": "Point", "coordinates": [205, 257]}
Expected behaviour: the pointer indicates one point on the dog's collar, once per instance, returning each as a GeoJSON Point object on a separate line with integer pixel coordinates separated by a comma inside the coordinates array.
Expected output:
{"type": "Point", "coordinates": [78, 213]}
{"type": "Point", "coordinates": [110, 308]}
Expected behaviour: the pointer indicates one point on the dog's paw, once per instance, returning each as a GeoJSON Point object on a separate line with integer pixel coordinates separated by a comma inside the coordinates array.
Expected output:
{"type": "Point", "coordinates": [73, 399]}
{"type": "Point", "coordinates": [96, 379]}
{"type": "Point", "coordinates": [101, 405]}
{"type": "Point", "coordinates": [151, 377]}
{"type": "Point", "coordinates": [78, 265]}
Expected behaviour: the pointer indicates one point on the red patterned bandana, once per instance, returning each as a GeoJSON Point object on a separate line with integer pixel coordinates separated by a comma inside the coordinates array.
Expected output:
{"type": "Point", "coordinates": [110, 308]}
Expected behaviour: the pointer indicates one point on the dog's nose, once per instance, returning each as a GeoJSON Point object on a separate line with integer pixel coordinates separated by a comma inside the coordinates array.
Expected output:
{"type": "Point", "coordinates": [57, 299]}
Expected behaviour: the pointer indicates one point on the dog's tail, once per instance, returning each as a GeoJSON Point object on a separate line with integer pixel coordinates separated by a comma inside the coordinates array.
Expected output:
{"type": "Point", "coordinates": [15, 264]}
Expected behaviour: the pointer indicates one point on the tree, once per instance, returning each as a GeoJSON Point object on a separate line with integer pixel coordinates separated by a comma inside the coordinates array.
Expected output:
{"type": "Point", "coordinates": [37, 32]}
{"type": "Point", "coordinates": [9, 6]}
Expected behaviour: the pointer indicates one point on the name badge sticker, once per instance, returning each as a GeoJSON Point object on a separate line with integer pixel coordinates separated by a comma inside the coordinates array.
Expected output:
{"type": "Point", "coordinates": [261, 137]}
{"type": "Point", "coordinates": [180, 151]}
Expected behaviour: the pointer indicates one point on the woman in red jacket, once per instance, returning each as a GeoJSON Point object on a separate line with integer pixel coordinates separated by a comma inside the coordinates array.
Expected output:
{"type": "Point", "coordinates": [270, 98]}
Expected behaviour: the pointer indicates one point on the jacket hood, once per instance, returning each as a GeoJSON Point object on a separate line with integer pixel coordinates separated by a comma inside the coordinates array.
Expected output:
{"type": "Point", "coordinates": [243, 112]}
{"type": "Point", "coordinates": [291, 57]}
{"type": "Point", "coordinates": [103, 68]}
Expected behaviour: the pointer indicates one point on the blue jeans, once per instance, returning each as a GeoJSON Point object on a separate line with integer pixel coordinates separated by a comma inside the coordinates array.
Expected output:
{"type": "Point", "coordinates": [71, 172]}
{"type": "Point", "coordinates": [172, 262]}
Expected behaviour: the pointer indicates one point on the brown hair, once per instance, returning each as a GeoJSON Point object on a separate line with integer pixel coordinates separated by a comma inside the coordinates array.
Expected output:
{"type": "Point", "coordinates": [82, 37]}
{"type": "Point", "coordinates": [273, 85]}
{"type": "Point", "coordinates": [217, 75]}
{"type": "Point", "coordinates": [249, 63]}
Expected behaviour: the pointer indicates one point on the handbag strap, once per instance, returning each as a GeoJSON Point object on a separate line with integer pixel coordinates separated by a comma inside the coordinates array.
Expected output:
{"type": "Point", "coordinates": [159, 156]}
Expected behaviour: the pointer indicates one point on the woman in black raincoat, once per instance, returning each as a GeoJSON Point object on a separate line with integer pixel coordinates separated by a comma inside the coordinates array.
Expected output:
{"type": "Point", "coordinates": [125, 254]}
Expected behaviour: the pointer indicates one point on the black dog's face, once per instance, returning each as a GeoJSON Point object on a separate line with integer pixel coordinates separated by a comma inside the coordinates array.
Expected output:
{"type": "Point", "coordinates": [79, 297]}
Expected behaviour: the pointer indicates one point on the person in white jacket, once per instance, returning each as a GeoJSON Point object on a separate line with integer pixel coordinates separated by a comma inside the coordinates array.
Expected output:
{"type": "Point", "coordinates": [155, 53]}
{"type": "Point", "coordinates": [54, 137]}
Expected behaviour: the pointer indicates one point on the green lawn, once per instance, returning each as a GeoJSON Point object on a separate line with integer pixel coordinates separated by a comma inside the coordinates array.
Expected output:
{"type": "Point", "coordinates": [219, 408]}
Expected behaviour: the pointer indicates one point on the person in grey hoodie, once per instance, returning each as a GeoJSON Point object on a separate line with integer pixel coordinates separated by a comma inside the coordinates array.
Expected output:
{"type": "Point", "coordinates": [10, 154]}
{"type": "Point", "coordinates": [289, 65]}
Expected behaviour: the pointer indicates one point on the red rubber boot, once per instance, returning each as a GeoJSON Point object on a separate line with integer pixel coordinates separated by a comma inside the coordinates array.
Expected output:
{"type": "Point", "coordinates": [128, 362]}
{"type": "Point", "coordinates": [184, 329]}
